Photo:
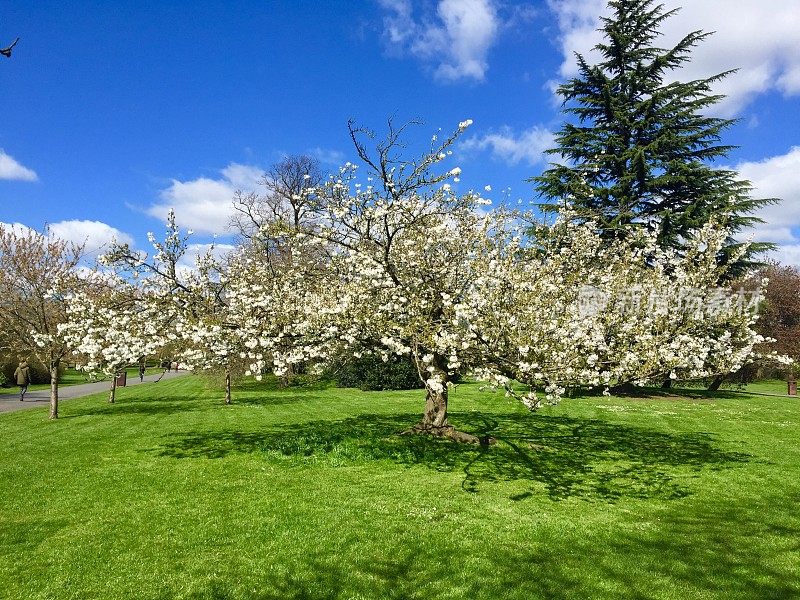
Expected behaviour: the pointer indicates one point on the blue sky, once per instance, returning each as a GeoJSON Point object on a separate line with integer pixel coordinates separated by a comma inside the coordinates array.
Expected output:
{"type": "Point", "coordinates": [115, 111]}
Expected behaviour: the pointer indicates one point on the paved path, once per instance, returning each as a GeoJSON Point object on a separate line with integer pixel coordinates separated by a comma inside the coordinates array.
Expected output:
{"type": "Point", "coordinates": [10, 402]}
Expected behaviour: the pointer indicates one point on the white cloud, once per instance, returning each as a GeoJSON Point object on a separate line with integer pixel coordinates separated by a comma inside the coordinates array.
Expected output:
{"type": "Point", "coordinates": [456, 40]}
{"type": "Point", "coordinates": [203, 204]}
{"type": "Point", "coordinates": [759, 38]}
{"type": "Point", "coordinates": [95, 236]}
{"type": "Point", "coordinates": [399, 25]}
{"type": "Point", "coordinates": [242, 177]}
{"type": "Point", "coordinates": [328, 157]}
{"type": "Point", "coordinates": [11, 169]}
{"type": "Point", "coordinates": [777, 177]}
{"type": "Point", "coordinates": [529, 146]}
{"type": "Point", "coordinates": [787, 254]}
{"type": "Point", "coordinates": [17, 228]}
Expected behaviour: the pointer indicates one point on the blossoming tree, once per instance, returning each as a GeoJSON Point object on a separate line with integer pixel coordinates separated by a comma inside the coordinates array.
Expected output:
{"type": "Point", "coordinates": [384, 264]}
{"type": "Point", "coordinates": [412, 268]}
{"type": "Point", "coordinates": [111, 326]}
{"type": "Point", "coordinates": [188, 305]}
{"type": "Point", "coordinates": [399, 263]}
{"type": "Point", "coordinates": [570, 309]}
{"type": "Point", "coordinates": [208, 336]}
{"type": "Point", "coordinates": [37, 273]}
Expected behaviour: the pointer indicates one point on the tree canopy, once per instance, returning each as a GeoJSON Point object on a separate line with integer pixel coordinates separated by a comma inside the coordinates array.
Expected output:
{"type": "Point", "coordinates": [639, 146]}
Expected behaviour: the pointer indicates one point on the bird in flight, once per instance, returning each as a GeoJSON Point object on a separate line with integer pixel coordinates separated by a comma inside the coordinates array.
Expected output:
{"type": "Point", "coordinates": [7, 51]}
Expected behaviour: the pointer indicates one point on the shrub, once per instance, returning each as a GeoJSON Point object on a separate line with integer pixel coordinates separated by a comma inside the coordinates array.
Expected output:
{"type": "Point", "coordinates": [370, 373]}
{"type": "Point", "coordinates": [39, 372]}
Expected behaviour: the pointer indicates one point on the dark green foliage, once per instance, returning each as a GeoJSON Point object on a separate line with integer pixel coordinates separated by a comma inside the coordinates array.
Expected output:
{"type": "Point", "coordinates": [640, 148]}
{"type": "Point", "coordinates": [370, 373]}
{"type": "Point", "coordinates": [39, 372]}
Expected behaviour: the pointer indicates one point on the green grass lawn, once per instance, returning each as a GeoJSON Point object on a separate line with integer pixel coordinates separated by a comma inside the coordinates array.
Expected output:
{"type": "Point", "coordinates": [768, 386]}
{"type": "Point", "coordinates": [310, 493]}
{"type": "Point", "coordinates": [774, 387]}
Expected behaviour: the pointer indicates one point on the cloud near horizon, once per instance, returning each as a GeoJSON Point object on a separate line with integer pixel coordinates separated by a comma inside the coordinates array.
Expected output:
{"type": "Point", "coordinates": [205, 205]}
{"type": "Point", "coordinates": [95, 236]}
{"type": "Point", "coordinates": [777, 177]}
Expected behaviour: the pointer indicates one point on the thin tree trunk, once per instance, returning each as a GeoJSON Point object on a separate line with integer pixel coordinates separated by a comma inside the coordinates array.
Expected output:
{"type": "Point", "coordinates": [227, 386]}
{"type": "Point", "coordinates": [54, 390]}
{"type": "Point", "coordinates": [286, 378]}
{"type": "Point", "coordinates": [113, 393]}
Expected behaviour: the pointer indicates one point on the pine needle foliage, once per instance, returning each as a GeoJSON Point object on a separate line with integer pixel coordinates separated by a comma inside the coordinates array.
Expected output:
{"type": "Point", "coordinates": [638, 147]}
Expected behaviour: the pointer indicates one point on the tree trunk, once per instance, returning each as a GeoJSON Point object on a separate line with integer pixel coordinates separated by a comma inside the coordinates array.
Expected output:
{"type": "Point", "coordinates": [227, 386]}
{"type": "Point", "coordinates": [112, 395]}
{"type": "Point", "coordinates": [434, 419]}
{"type": "Point", "coordinates": [716, 382]}
{"type": "Point", "coordinates": [286, 378]}
{"type": "Point", "coordinates": [54, 389]}
{"type": "Point", "coordinates": [435, 415]}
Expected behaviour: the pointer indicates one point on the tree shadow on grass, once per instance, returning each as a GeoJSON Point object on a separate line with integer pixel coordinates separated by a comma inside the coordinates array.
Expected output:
{"type": "Point", "coordinates": [334, 578]}
{"type": "Point", "coordinates": [161, 405]}
{"type": "Point", "coordinates": [676, 394]}
{"type": "Point", "coordinates": [17, 538]}
{"type": "Point", "coordinates": [271, 393]}
{"type": "Point", "coordinates": [569, 457]}
{"type": "Point", "coordinates": [268, 400]}
{"type": "Point", "coordinates": [705, 553]}
{"type": "Point", "coordinates": [732, 551]}
{"type": "Point", "coordinates": [710, 551]}
{"type": "Point", "coordinates": [688, 393]}
{"type": "Point", "coordinates": [274, 384]}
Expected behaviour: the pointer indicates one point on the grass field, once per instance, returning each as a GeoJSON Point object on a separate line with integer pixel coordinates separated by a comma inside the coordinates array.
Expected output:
{"type": "Point", "coordinates": [310, 493]}
{"type": "Point", "coordinates": [769, 386]}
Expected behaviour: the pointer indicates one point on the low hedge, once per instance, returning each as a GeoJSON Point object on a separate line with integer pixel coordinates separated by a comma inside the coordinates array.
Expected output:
{"type": "Point", "coordinates": [371, 373]}
{"type": "Point", "coordinates": [39, 372]}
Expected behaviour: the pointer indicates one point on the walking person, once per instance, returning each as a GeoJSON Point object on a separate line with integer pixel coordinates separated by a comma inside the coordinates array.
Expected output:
{"type": "Point", "coordinates": [141, 372]}
{"type": "Point", "coordinates": [23, 377]}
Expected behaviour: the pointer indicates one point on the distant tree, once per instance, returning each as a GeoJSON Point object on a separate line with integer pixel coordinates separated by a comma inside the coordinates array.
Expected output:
{"type": "Point", "coordinates": [37, 274]}
{"type": "Point", "coordinates": [780, 311]}
{"type": "Point", "coordinates": [208, 336]}
{"type": "Point", "coordinates": [639, 153]}
{"type": "Point", "coordinates": [187, 306]}
{"type": "Point", "coordinates": [288, 197]}
{"type": "Point", "coordinates": [288, 203]}
{"type": "Point", "coordinates": [778, 288]}
{"type": "Point", "coordinates": [111, 326]}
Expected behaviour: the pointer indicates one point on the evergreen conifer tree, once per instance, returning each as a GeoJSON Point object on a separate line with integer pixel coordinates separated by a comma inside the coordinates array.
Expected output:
{"type": "Point", "coordinates": [640, 149]}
